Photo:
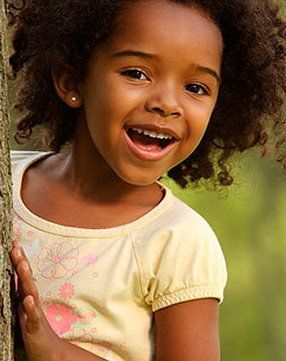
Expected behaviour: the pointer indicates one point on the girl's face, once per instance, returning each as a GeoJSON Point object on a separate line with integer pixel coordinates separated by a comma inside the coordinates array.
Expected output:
{"type": "Point", "coordinates": [150, 92]}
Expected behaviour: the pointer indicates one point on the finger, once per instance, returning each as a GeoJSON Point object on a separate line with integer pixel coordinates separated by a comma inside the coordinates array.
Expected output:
{"type": "Point", "coordinates": [21, 294]}
{"type": "Point", "coordinates": [17, 286]}
{"type": "Point", "coordinates": [18, 255]}
{"type": "Point", "coordinates": [24, 257]}
{"type": "Point", "coordinates": [16, 244]}
{"type": "Point", "coordinates": [16, 282]}
{"type": "Point", "coordinates": [22, 318]}
{"type": "Point", "coordinates": [33, 318]}
{"type": "Point", "coordinates": [15, 256]}
{"type": "Point", "coordinates": [27, 285]}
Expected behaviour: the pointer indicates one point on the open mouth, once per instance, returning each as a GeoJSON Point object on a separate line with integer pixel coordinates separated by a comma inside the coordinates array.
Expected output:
{"type": "Point", "coordinates": [150, 143]}
{"type": "Point", "coordinates": [150, 140]}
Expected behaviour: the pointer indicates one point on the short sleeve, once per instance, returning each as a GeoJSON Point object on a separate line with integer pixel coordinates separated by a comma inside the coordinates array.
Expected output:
{"type": "Point", "coordinates": [18, 156]}
{"type": "Point", "coordinates": [182, 262]}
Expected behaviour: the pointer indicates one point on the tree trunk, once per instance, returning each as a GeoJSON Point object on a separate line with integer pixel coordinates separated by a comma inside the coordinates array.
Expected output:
{"type": "Point", "coordinates": [6, 336]}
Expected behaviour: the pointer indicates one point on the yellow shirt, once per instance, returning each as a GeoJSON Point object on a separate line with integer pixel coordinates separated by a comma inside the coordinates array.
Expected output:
{"type": "Point", "coordinates": [99, 288]}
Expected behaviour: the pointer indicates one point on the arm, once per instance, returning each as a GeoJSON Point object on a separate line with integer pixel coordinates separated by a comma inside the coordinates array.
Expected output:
{"type": "Point", "coordinates": [41, 342]}
{"type": "Point", "coordinates": [188, 331]}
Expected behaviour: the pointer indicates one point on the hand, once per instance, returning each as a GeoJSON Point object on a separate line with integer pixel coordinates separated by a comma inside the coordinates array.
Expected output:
{"type": "Point", "coordinates": [40, 341]}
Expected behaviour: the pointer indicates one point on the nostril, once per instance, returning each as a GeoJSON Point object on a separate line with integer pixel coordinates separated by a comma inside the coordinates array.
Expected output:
{"type": "Point", "coordinates": [176, 114]}
{"type": "Point", "coordinates": [159, 111]}
{"type": "Point", "coordinates": [164, 113]}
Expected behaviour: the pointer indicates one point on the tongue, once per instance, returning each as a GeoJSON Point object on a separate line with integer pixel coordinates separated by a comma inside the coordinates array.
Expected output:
{"type": "Point", "coordinates": [144, 141]}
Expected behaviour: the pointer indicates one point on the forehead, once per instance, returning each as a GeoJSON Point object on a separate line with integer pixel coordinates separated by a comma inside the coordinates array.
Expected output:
{"type": "Point", "coordinates": [163, 26]}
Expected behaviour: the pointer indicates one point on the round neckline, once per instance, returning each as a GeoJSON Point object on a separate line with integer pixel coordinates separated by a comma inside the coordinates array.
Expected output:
{"type": "Point", "coordinates": [57, 229]}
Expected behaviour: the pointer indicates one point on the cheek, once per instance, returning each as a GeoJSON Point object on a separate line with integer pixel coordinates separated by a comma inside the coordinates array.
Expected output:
{"type": "Point", "coordinates": [112, 103]}
{"type": "Point", "coordinates": [197, 123]}
{"type": "Point", "coordinates": [199, 117]}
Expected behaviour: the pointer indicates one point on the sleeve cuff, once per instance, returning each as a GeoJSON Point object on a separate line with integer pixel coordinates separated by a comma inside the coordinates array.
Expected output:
{"type": "Point", "coordinates": [193, 293]}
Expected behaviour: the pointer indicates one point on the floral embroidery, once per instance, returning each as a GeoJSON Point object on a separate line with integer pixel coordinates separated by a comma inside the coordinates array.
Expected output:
{"type": "Point", "coordinates": [17, 227]}
{"type": "Point", "coordinates": [66, 291]}
{"type": "Point", "coordinates": [61, 318]}
{"type": "Point", "coordinates": [78, 333]}
{"type": "Point", "coordinates": [89, 259]}
{"type": "Point", "coordinates": [86, 316]}
{"type": "Point", "coordinates": [57, 261]}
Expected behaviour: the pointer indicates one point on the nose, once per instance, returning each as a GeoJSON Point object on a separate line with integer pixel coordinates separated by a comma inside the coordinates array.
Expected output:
{"type": "Point", "coordinates": [165, 102]}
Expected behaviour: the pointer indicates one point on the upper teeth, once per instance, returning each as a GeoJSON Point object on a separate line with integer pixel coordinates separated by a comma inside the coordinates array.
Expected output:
{"type": "Point", "coordinates": [152, 134]}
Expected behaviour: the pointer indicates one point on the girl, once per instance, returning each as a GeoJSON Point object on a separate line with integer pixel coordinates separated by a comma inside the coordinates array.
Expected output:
{"type": "Point", "coordinates": [117, 268]}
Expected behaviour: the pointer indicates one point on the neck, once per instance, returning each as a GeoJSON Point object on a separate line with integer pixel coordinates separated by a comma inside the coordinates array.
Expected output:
{"type": "Point", "coordinates": [88, 176]}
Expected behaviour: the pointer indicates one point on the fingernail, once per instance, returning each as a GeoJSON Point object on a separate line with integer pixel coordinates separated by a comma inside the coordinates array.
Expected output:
{"type": "Point", "coordinates": [31, 300]}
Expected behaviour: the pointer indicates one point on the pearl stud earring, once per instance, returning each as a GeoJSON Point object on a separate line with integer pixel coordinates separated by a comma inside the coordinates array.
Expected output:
{"type": "Point", "coordinates": [74, 99]}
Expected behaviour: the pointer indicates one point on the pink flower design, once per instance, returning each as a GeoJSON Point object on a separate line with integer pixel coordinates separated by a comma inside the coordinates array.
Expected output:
{"type": "Point", "coordinates": [17, 228]}
{"type": "Point", "coordinates": [61, 318]}
{"type": "Point", "coordinates": [58, 260]}
{"type": "Point", "coordinates": [78, 332]}
{"type": "Point", "coordinates": [86, 316]}
{"type": "Point", "coordinates": [89, 259]}
{"type": "Point", "coordinates": [66, 291]}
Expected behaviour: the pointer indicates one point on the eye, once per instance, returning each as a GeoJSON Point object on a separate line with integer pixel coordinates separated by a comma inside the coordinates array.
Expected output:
{"type": "Point", "coordinates": [197, 89]}
{"type": "Point", "coordinates": [135, 74]}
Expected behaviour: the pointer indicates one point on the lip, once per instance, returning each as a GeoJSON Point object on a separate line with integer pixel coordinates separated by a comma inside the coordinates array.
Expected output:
{"type": "Point", "coordinates": [145, 154]}
{"type": "Point", "coordinates": [155, 128]}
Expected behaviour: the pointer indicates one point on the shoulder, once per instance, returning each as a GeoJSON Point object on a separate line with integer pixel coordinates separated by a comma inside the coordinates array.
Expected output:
{"type": "Point", "coordinates": [185, 216]}
{"type": "Point", "coordinates": [188, 232]}
{"type": "Point", "coordinates": [191, 228]}
{"type": "Point", "coordinates": [178, 223]}
{"type": "Point", "coordinates": [187, 283]}
{"type": "Point", "coordinates": [180, 258]}
{"type": "Point", "coordinates": [21, 157]}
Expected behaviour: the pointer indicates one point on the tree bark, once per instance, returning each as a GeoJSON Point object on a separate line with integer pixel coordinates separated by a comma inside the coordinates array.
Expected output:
{"type": "Point", "coordinates": [6, 335]}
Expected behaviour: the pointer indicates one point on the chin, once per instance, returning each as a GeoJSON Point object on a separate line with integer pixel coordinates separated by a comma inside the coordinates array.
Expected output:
{"type": "Point", "coordinates": [138, 178]}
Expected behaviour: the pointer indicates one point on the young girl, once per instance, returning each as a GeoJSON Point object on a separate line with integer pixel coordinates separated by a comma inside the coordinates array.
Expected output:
{"type": "Point", "coordinates": [117, 268]}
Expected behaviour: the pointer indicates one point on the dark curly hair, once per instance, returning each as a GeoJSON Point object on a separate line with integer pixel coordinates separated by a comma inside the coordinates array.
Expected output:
{"type": "Point", "coordinates": [47, 34]}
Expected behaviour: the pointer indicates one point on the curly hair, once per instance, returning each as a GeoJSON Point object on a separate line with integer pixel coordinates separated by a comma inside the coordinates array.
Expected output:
{"type": "Point", "coordinates": [249, 112]}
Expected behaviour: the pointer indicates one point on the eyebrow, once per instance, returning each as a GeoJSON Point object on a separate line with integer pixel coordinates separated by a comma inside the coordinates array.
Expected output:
{"type": "Point", "coordinates": [209, 71]}
{"type": "Point", "coordinates": [134, 53]}
{"type": "Point", "coordinates": [141, 54]}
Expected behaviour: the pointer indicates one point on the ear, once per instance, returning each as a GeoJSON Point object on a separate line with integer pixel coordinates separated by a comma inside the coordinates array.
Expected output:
{"type": "Point", "coordinates": [66, 86]}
